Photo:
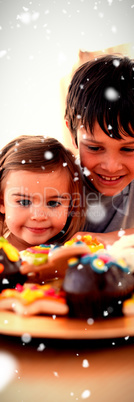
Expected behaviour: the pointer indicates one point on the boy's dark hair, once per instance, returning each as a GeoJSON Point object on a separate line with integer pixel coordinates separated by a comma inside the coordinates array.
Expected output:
{"type": "Point", "coordinates": [102, 90]}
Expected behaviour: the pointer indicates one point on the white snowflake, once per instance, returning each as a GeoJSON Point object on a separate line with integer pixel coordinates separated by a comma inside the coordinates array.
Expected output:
{"type": "Point", "coordinates": [26, 337]}
{"type": "Point", "coordinates": [85, 394]}
{"type": "Point", "coordinates": [85, 363]}
{"type": "Point", "coordinates": [2, 53]}
{"type": "Point", "coordinates": [116, 62]}
{"type": "Point", "coordinates": [7, 369]}
{"type": "Point", "coordinates": [96, 213]}
{"type": "Point", "coordinates": [41, 347]}
{"type": "Point", "coordinates": [111, 94]}
{"type": "Point", "coordinates": [114, 29]}
{"type": "Point", "coordinates": [90, 321]}
{"type": "Point", "coordinates": [48, 155]}
{"type": "Point", "coordinates": [86, 172]}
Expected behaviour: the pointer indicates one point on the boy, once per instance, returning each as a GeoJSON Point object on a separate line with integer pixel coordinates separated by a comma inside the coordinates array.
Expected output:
{"type": "Point", "coordinates": [100, 116]}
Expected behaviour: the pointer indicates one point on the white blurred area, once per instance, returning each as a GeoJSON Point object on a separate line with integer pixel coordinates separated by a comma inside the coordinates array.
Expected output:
{"type": "Point", "coordinates": [39, 44]}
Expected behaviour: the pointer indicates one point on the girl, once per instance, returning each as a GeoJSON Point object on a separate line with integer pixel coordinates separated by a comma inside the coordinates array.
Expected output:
{"type": "Point", "coordinates": [40, 192]}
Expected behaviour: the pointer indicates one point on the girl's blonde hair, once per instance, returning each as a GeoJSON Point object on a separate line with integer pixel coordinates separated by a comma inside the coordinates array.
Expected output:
{"type": "Point", "coordinates": [29, 152]}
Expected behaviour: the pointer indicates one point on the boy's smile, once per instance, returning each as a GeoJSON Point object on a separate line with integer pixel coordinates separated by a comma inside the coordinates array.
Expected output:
{"type": "Point", "coordinates": [110, 161]}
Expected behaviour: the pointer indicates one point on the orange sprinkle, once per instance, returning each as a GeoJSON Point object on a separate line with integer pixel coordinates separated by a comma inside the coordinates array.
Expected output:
{"type": "Point", "coordinates": [1, 268]}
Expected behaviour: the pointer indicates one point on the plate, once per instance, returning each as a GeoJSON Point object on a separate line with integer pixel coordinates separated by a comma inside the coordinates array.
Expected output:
{"type": "Point", "coordinates": [64, 327]}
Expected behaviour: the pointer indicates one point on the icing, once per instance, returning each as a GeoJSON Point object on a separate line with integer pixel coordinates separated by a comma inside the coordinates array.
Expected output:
{"type": "Point", "coordinates": [36, 255]}
{"type": "Point", "coordinates": [10, 263]}
{"type": "Point", "coordinates": [93, 244]}
{"type": "Point", "coordinates": [29, 294]}
{"type": "Point", "coordinates": [99, 263]}
{"type": "Point", "coordinates": [11, 252]}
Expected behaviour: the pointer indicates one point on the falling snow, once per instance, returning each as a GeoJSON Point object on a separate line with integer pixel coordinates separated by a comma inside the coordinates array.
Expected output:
{"type": "Point", "coordinates": [7, 369]}
{"type": "Point", "coordinates": [80, 266]}
{"type": "Point", "coordinates": [85, 394]}
{"type": "Point", "coordinates": [114, 29]}
{"type": "Point", "coordinates": [85, 363]}
{"type": "Point", "coordinates": [5, 281]}
{"type": "Point", "coordinates": [55, 374]}
{"type": "Point", "coordinates": [26, 18]}
{"type": "Point", "coordinates": [26, 338]}
{"type": "Point", "coordinates": [48, 155]}
{"type": "Point", "coordinates": [116, 62]}
{"type": "Point", "coordinates": [90, 321]}
{"type": "Point", "coordinates": [111, 94]}
{"type": "Point", "coordinates": [41, 347]}
{"type": "Point", "coordinates": [96, 213]}
{"type": "Point", "coordinates": [121, 233]}
{"type": "Point", "coordinates": [109, 127]}
{"type": "Point", "coordinates": [126, 338]}
{"type": "Point", "coordinates": [105, 313]}
{"type": "Point", "coordinates": [86, 172]}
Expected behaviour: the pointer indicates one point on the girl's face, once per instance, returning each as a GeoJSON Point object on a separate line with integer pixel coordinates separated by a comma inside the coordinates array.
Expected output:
{"type": "Point", "coordinates": [109, 161]}
{"type": "Point", "coordinates": [35, 205]}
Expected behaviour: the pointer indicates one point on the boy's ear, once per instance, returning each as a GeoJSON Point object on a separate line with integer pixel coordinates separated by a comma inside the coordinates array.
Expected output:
{"type": "Point", "coordinates": [74, 140]}
{"type": "Point", "coordinates": [2, 207]}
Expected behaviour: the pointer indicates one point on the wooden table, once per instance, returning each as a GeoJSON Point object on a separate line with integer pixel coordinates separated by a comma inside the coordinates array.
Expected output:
{"type": "Point", "coordinates": [66, 370]}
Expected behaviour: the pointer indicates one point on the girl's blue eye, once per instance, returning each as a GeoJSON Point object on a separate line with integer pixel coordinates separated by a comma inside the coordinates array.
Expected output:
{"type": "Point", "coordinates": [53, 204]}
{"type": "Point", "coordinates": [24, 202]}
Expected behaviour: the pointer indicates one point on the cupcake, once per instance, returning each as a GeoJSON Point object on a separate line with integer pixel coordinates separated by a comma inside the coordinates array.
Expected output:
{"type": "Point", "coordinates": [10, 263]}
{"type": "Point", "coordinates": [96, 286]}
{"type": "Point", "coordinates": [36, 255]}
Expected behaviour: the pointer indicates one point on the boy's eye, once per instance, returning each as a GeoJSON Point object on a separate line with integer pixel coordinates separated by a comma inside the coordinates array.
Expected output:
{"type": "Point", "coordinates": [93, 148]}
{"type": "Point", "coordinates": [53, 204]}
{"type": "Point", "coordinates": [127, 149]}
{"type": "Point", "coordinates": [24, 202]}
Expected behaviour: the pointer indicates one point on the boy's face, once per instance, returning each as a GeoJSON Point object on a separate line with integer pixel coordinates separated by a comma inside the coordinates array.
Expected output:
{"type": "Point", "coordinates": [36, 205]}
{"type": "Point", "coordinates": [110, 161]}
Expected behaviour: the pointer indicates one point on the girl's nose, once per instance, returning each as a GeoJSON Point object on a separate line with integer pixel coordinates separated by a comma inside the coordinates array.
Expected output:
{"type": "Point", "coordinates": [39, 214]}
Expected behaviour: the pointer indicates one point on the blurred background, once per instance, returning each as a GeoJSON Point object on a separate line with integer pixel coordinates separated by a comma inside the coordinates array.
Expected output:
{"type": "Point", "coordinates": [39, 45]}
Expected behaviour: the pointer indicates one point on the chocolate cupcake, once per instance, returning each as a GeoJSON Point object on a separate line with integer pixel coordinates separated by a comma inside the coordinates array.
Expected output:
{"type": "Point", "coordinates": [96, 286]}
{"type": "Point", "coordinates": [10, 263]}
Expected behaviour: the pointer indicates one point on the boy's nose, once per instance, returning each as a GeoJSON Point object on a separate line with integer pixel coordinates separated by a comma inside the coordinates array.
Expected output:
{"type": "Point", "coordinates": [111, 164]}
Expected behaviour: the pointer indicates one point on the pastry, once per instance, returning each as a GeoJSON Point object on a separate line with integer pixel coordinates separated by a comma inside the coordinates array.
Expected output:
{"type": "Point", "coordinates": [128, 306]}
{"type": "Point", "coordinates": [96, 285]}
{"type": "Point", "coordinates": [36, 255]}
{"type": "Point", "coordinates": [57, 257]}
{"type": "Point", "coordinates": [10, 263]}
{"type": "Point", "coordinates": [34, 299]}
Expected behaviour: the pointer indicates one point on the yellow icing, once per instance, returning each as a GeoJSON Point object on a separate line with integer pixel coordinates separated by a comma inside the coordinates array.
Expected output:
{"type": "Point", "coordinates": [29, 295]}
{"type": "Point", "coordinates": [73, 260]}
{"type": "Point", "coordinates": [98, 263]}
{"type": "Point", "coordinates": [93, 248]}
{"type": "Point", "coordinates": [11, 252]}
{"type": "Point", "coordinates": [93, 244]}
{"type": "Point", "coordinates": [121, 262]}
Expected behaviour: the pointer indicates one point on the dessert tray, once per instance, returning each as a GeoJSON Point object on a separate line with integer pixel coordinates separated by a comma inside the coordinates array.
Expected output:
{"type": "Point", "coordinates": [65, 327]}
